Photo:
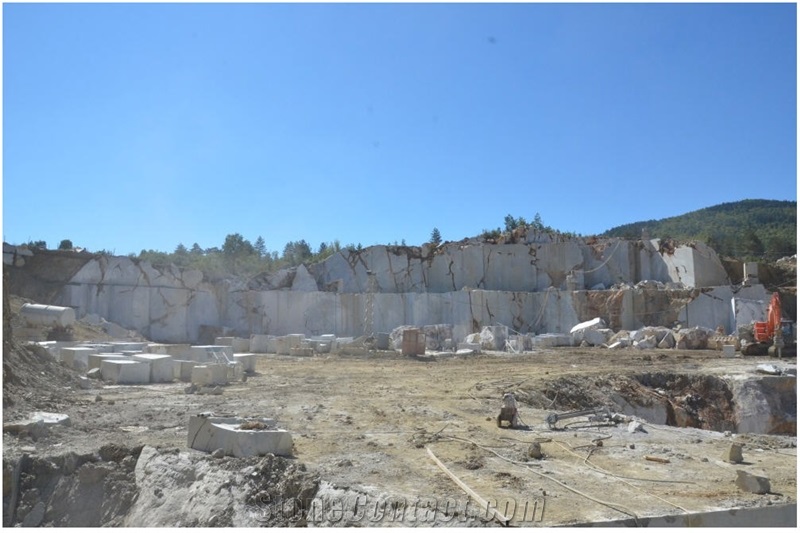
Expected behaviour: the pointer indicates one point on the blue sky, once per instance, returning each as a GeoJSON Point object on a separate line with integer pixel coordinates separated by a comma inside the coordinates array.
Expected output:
{"type": "Point", "coordinates": [132, 126]}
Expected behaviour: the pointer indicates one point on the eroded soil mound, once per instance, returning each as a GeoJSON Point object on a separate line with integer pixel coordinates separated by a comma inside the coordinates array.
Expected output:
{"type": "Point", "coordinates": [686, 400]}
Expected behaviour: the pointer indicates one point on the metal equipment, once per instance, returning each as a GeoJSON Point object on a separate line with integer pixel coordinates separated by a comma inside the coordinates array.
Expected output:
{"type": "Point", "coordinates": [598, 414]}
{"type": "Point", "coordinates": [776, 335]}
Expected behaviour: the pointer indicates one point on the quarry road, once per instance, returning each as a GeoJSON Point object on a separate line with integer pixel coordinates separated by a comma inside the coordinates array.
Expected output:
{"type": "Point", "coordinates": [366, 423]}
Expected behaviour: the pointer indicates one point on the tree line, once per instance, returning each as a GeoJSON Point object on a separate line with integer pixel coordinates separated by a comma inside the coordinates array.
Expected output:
{"type": "Point", "coordinates": [752, 230]}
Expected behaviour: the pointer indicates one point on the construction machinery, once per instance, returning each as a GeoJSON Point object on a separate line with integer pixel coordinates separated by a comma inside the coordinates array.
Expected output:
{"type": "Point", "coordinates": [597, 414]}
{"type": "Point", "coordinates": [776, 336]}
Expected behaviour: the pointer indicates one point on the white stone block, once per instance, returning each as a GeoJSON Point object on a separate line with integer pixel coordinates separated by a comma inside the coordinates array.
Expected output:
{"type": "Point", "coordinates": [213, 433]}
{"type": "Point", "coordinates": [260, 343]}
{"type": "Point", "coordinates": [210, 374]}
{"type": "Point", "coordinates": [551, 340]}
{"type": "Point", "coordinates": [161, 366]}
{"type": "Point", "coordinates": [125, 372]}
{"type": "Point", "coordinates": [597, 337]}
{"type": "Point", "coordinates": [119, 346]}
{"type": "Point", "coordinates": [157, 348]}
{"type": "Point", "coordinates": [473, 347]}
{"type": "Point", "coordinates": [240, 345]}
{"type": "Point", "coordinates": [248, 361]}
{"type": "Point", "coordinates": [203, 354]}
{"type": "Point", "coordinates": [96, 359]}
{"type": "Point", "coordinates": [183, 370]}
{"type": "Point", "coordinates": [76, 357]}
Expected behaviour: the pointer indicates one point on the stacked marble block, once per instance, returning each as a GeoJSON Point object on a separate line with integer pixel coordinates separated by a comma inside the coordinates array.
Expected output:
{"type": "Point", "coordinates": [125, 371]}
{"type": "Point", "coordinates": [77, 357]}
{"type": "Point", "coordinates": [162, 367]}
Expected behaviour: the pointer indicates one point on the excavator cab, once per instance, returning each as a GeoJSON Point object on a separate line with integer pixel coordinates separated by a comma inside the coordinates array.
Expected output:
{"type": "Point", "coordinates": [776, 332]}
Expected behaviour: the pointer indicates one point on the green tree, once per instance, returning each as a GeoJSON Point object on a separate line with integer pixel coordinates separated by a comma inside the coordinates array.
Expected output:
{"type": "Point", "coordinates": [511, 223]}
{"type": "Point", "coordinates": [260, 246]}
{"type": "Point", "coordinates": [751, 245]}
{"type": "Point", "coordinates": [297, 252]}
{"type": "Point", "coordinates": [237, 246]}
{"type": "Point", "coordinates": [66, 244]}
{"type": "Point", "coordinates": [181, 255]}
{"type": "Point", "coordinates": [436, 237]}
{"type": "Point", "coordinates": [41, 245]}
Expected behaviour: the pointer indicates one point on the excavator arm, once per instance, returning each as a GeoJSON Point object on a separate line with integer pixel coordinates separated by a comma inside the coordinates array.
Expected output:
{"type": "Point", "coordinates": [765, 331]}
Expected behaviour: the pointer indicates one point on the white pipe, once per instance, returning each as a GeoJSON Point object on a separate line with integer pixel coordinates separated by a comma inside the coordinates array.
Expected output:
{"type": "Point", "coordinates": [48, 315]}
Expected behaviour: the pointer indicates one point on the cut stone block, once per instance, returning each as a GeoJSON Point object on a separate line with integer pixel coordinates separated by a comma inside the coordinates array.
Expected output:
{"type": "Point", "coordinates": [209, 434]}
{"type": "Point", "coordinates": [96, 358]}
{"type": "Point", "coordinates": [323, 346]}
{"type": "Point", "coordinates": [241, 345]}
{"type": "Point", "coordinates": [37, 424]}
{"type": "Point", "coordinates": [125, 371]}
{"type": "Point", "coordinates": [260, 343]}
{"type": "Point", "coordinates": [248, 361]}
{"type": "Point", "coordinates": [474, 347]}
{"type": "Point", "coordinates": [295, 340]}
{"type": "Point", "coordinates": [183, 370]}
{"type": "Point", "coordinates": [137, 347]}
{"type": "Point", "coordinates": [237, 344]}
{"type": "Point", "coordinates": [161, 366]}
{"type": "Point", "coordinates": [157, 348]}
{"type": "Point", "coordinates": [550, 340]}
{"type": "Point", "coordinates": [211, 374]}
{"type": "Point", "coordinates": [203, 354]}
{"type": "Point", "coordinates": [76, 357]}
{"type": "Point", "coordinates": [413, 342]}
{"type": "Point", "coordinates": [302, 351]}
{"type": "Point", "coordinates": [381, 341]}
{"type": "Point", "coordinates": [100, 347]}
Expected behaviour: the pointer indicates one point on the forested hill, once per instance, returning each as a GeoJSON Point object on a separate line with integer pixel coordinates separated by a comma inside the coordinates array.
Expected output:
{"type": "Point", "coordinates": [748, 229]}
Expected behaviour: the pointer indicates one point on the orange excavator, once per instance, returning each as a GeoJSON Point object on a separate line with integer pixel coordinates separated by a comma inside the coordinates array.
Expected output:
{"type": "Point", "coordinates": [776, 333]}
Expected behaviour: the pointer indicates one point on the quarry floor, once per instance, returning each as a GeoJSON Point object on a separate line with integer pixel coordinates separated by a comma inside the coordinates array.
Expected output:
{"type": "Point", "coordinates": [367, 422]}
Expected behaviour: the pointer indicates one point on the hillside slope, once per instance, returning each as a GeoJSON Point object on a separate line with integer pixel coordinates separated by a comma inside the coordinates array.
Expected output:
{"type": "Point", "coordinates": [748, 229]}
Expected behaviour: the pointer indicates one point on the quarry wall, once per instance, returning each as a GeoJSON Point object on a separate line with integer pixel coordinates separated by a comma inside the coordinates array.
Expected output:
{"type": "Point", "coordinates": [535, 287]}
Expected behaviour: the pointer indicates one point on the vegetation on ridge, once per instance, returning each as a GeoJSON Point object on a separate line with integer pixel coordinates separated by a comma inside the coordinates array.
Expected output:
{"type": "Point", "coordinates": [763, 230]}
{"type": "Point", "coordinates": [754, 230]}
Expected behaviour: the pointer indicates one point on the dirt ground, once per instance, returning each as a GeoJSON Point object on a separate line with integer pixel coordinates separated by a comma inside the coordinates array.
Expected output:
{"type": "Point", "coordinates": [366, 423]}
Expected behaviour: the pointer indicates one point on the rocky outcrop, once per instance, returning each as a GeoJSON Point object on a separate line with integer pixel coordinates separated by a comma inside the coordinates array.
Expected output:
{"type": "Point", "coordinates": [537, 285]}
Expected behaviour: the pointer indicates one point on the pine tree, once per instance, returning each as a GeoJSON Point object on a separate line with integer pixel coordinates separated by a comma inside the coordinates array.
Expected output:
{"type": "Point", "coordinates": [436, 237]}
